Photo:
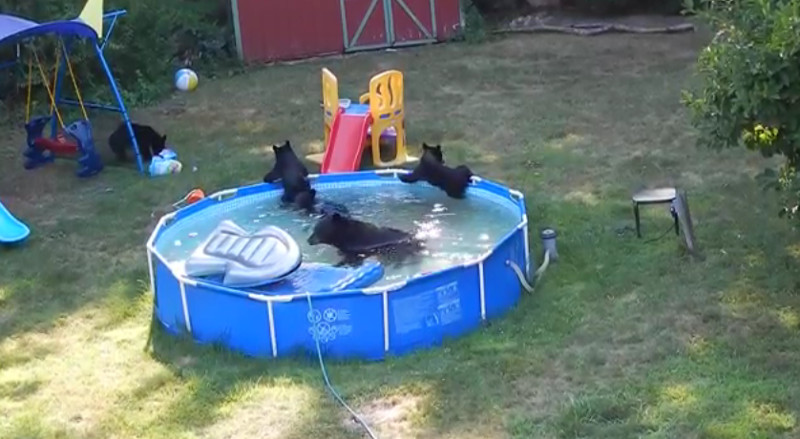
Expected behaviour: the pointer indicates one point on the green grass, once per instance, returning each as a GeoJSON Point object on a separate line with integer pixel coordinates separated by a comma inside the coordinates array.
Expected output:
{"type": "Point", "coordinates": [622, 339]}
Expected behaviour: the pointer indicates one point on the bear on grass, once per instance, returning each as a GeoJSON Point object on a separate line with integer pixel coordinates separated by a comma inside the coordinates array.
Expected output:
{"type": "Point", "coordinates": [431, 168]}
{"type": "Point", "coordinates": [149, 140]}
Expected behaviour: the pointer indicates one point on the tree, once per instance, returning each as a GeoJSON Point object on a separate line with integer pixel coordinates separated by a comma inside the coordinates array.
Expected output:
{"type": "Point", "coordinates": [750, 94]}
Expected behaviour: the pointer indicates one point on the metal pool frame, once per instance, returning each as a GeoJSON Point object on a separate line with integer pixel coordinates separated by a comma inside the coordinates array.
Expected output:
{"type": "Point", "coordinates": [368, 323]}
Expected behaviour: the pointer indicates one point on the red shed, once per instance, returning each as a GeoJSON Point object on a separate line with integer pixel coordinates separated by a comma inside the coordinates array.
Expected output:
{"type": "Point", "coordinates": [271, 30]}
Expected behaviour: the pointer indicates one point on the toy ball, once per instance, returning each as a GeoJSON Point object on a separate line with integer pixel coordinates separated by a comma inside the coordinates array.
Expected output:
{"type": "Point", "coordinates": [186, 80]}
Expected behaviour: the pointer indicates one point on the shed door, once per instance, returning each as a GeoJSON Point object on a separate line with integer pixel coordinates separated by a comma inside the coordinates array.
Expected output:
{"type": "Point", "coordinates": [373, 24]}
{"type": "Point", "coordinates": [364, 23]}
{"type": "Point", "coordinates": [412, 21]}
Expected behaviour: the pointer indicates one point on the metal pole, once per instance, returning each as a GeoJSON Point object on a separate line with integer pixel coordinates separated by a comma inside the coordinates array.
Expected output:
{"type": "Point", "coordinates": [433, 20]}
{"type": "Point", "coordinates": [344, 24]}
{"type": "Point", "coordinates": [388, 19]}
{"type": "Point", "coordinates": [237, 30]}
{"type": "Point", "coordinates": [115, 91]}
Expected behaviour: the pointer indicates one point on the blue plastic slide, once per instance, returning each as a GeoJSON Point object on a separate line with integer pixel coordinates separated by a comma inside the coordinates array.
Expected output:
{"type": "Point", "coordinates": [12, 230]}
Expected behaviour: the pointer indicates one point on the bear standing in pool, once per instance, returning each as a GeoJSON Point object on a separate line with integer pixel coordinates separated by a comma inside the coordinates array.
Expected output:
{"type": "Point", "coordinates": [431, 168]}
{"type": "Point", "coordinates": [294, 178]}
{"type": "Point", "coordinates": [357, 240]}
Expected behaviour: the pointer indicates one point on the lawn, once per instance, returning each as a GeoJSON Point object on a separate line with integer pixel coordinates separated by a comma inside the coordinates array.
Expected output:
{"type": "Point", "coordinates": [623, 338]}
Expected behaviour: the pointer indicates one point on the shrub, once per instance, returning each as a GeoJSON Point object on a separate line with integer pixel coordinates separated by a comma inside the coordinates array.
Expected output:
{"type": "Point", "coordinates": [491, 6]}
{"type": "Point", "coordinates": [606, 7]}
{"type": "Point", "coordinates": [601, 7]}
{"type": "Point", "coordinates": [474, 23]}
{"type": "Point", "coordinates": [751, 84]}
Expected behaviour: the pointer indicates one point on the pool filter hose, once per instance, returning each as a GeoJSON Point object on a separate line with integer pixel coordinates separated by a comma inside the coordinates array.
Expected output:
{"type": "Point", "coordinates": [355, 416]}
{"type": "Point", "coordinates": [548, 236]}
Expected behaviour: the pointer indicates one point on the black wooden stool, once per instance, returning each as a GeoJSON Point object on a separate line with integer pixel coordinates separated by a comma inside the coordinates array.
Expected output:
{"type": "Point", "coordinates": [655, 196]}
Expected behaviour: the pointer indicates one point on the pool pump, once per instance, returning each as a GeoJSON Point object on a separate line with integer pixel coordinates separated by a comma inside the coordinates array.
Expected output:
{"type": "Point", "coordinates": [548, 236]}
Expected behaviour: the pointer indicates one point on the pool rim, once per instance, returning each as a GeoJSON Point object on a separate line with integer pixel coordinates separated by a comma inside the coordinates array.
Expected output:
{"type": "Point", "coordinates": [224, 195]}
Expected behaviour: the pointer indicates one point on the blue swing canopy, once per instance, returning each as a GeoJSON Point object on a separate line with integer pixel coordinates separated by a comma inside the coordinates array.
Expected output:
{"type": "Point", "coordinates": [14, 29]}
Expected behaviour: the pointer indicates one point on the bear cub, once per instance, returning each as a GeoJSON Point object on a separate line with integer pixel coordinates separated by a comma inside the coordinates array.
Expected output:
{"type": "Point", "coordinates": [431, 168]}
{"type": "Point", "coordinates": [357, 240]}
{"type": "Point", "coordinates": [297, 190]}
{"type": "Point", "coordinates": [293, 176]}
{"type": "Point", "coordinates": [149, 140]}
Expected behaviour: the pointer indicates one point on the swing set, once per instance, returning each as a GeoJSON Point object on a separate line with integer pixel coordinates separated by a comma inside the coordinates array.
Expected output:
{"type": "Point", "coordinates": [75, 139]}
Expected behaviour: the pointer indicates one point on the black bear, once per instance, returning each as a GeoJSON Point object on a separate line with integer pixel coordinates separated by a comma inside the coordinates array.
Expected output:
{"type": "Point", "coordinates": [149, 140]}
{"type": "Point", "coordinates": [431, 168]}
{"type": "Point", "coordinates": [357, 240]}
{"type": "Point", "coordinates": [293, 176]}
{"type": "Point", "coordinates": [296, 189]}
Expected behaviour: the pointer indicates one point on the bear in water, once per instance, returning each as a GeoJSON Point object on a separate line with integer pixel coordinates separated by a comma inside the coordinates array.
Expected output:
{"type": "Point", "coordinates": [293, 176]}
{"type": "Point", "coordinates": [297, 190]}
{"type": "Point", "coordinates": [357, 240]}
{"type": "Point", "coordinates": [431, 168]}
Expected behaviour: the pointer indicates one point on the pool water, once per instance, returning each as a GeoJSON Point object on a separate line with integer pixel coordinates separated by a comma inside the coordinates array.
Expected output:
{"type": "Point", "coordinates": [454, 231]}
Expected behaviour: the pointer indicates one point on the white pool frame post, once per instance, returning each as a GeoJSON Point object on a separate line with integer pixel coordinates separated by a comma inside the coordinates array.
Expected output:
{"type": "Point", "coordinates": [385, 295]}
{"type": "Point", "coordinates": [273, 339]}
{"type": "Point", "coordinates": [482, 281]}
{"type": "Point", "coordinates": [185, 305]}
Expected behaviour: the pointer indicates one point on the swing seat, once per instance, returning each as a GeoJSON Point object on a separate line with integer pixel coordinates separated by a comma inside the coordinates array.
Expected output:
{"type": "Point", "coordinates": [38, 143]}
{"type": "Point", "coordinates": [56, 146]}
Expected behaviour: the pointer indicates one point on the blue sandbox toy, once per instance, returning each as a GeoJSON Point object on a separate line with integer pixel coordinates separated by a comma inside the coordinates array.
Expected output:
{"type": "Point", "coordinates": [12, 230]}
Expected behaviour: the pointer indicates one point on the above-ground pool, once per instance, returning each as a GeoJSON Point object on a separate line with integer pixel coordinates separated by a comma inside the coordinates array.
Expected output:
{"type": "Point", "coordinates": [465, 274]}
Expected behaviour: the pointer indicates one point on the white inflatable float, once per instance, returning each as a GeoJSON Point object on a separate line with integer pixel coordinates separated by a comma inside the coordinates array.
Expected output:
{"type": "Point", "coordinates": [244, 259]}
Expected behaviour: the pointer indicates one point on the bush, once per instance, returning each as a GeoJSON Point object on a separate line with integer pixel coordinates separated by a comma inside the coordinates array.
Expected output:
{"type": "Point", "coordinates": [607, 7]}
{"type": "Point", "coordinates": [751, 84]}
{"type": "Point", "coordinates": [474, 24]}
{"type": "Point", "coordinates": [492, 6]}
{"type": "Point", "coordinates": [602, 7]}
{"type": "Point", "coordinates": [148, 44]}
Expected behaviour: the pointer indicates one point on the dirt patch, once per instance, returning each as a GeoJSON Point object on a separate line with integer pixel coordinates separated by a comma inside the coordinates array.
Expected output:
{"type": "Point", "coordinates": [390, 416]}
{"type": "Point", "coordinates": [582, 24]}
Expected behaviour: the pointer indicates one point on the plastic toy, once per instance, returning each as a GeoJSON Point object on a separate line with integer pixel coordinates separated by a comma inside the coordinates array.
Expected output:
{"type": "Point", "coordinates": [192, 197]}
{"type": "Point", "coordinates": [379, 113]}
{"type": "Point", "coordinates": [41, 150]}
{"type": "Point", "coordinates": [89, 162]}
{"type": "Point", "coordinates": [12, 230]}
{"type": "Point", "coordinates": [165, 163]}
{"type": "Point", "coordinates": [186, 80]}
{"type": "Point", "coordinates": [245, 259]}
{"type": "Point", "coordinates": [91, 25]}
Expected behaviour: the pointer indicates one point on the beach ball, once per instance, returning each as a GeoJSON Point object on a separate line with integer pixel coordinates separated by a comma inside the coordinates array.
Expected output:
{"type": "Point", "coordinates": [186, 80]}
